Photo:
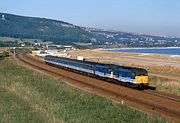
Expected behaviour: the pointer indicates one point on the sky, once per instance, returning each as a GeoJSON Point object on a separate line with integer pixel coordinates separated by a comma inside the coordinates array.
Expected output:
{"type": "Point", "coordinates": [156, 17]}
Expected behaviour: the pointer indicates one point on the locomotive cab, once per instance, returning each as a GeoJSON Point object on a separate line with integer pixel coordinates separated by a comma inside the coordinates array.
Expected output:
{"type": "Point", "coordinates": [141, 77]}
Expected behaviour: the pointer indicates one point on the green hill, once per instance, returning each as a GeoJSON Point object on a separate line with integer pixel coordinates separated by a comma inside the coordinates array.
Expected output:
{"type": "Point", "coordinates": [41, 28]}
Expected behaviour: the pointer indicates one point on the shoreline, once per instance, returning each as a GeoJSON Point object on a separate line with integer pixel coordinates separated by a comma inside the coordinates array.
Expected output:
{"type": "Point", "coordinates": [126, 48]}
{"type": "Point", "coordinates": [142, 54]}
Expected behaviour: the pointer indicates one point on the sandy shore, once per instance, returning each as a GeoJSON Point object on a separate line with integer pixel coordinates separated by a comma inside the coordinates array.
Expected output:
{"type": "Point", "coordinates": [142, 54]}
{"type": "Point", "coordinates": [102, 49]}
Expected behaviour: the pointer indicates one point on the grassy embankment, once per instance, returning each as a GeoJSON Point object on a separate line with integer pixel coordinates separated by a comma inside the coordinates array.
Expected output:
{"type": "Point", "coordinates": [26, 96]}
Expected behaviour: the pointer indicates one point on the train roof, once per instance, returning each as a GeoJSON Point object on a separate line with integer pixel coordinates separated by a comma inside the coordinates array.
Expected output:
{"type": "Point", "coordinates": [97, 63]}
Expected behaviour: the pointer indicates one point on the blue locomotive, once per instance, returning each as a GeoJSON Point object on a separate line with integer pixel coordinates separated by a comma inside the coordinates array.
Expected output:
{"type": "Point", "coordinates": [130, 76]}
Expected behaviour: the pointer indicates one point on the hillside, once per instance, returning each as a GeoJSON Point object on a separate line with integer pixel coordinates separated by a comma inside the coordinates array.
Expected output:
{"type": "Point", "coordinates": [41, 28]}
{"type": "Point", "coordinates": [60, 32]}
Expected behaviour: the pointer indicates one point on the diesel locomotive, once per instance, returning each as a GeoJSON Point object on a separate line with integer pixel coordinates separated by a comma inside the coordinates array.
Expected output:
{"type": "Point", "coordinates": [128, 76]}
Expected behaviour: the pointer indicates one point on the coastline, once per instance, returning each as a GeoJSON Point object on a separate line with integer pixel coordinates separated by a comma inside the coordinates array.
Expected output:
{"type": "Point", "coordinates": [129, 48]}
{"type": "Point", "coordinates": [138, 48]}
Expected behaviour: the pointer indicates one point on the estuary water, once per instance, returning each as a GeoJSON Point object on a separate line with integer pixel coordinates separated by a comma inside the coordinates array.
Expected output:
{"type": "Point", "coordinates": [165, 51]}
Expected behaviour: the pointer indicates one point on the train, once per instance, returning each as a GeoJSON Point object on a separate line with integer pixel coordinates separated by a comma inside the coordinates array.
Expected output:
{"type": "Point", "coordinates": [128, 76]}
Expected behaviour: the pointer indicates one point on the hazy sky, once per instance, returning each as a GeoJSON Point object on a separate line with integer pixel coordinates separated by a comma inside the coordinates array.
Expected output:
{"type": "Point", "coordinates": [161, 17]}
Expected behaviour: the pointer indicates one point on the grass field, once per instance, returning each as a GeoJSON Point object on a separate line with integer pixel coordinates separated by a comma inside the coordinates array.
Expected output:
{"type": "Point", "coordinates": [28, 97]}
{"type": "Point", "coordinates": [165, 85]}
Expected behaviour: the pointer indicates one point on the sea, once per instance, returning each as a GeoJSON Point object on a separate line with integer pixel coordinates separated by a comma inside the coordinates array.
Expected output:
{"type": "Point", "coordinates": [165, 51]}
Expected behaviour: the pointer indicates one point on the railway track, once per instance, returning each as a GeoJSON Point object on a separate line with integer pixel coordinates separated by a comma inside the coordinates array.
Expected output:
{"type": "Point", "coordinates": [150, 101]}
{"type": "Point", "coordinates": [163, 95]}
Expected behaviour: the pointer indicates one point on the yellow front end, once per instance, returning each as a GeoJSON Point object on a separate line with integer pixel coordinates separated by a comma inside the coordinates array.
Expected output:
{"type": "Point", "coordinates": [141, 80]}
{"type": "Point", "coordinates": [34, 53]}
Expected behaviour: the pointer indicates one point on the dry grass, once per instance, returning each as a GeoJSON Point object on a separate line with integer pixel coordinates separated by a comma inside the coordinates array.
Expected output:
{"type": "Point", "coordinates": [165, 85]}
